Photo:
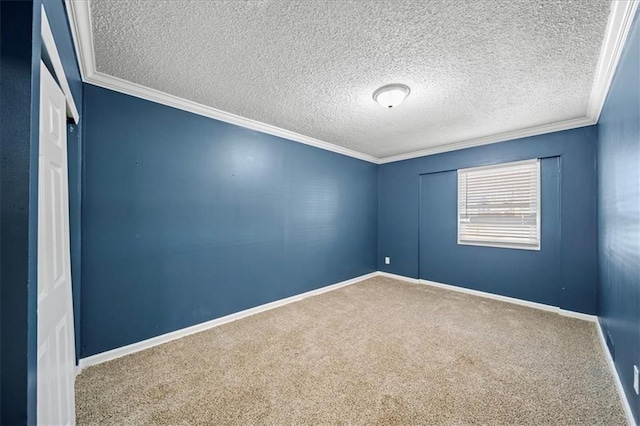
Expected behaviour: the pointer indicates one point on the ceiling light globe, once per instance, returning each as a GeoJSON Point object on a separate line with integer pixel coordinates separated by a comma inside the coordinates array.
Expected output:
{"type": "Point", "coordinates": [391, 95]}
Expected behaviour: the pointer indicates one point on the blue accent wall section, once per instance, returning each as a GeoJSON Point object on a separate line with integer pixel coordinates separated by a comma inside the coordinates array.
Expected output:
{"type": "Point", "coordinates": [572, 286]}
{"type": "Point", "coordinates": [619, 215]}
{"type": "Point", "coordinates": [19, 115]}
{"type": "Point", "coordinates": [186, 219]}
{"type": "Point", "coordinates": [57, 16]}
{"type": "Point", "coordinates": [535, 273]}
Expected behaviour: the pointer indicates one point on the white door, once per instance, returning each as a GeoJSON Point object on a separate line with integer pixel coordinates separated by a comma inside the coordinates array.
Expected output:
{"type": "Point", "coordinates": [56, 346]}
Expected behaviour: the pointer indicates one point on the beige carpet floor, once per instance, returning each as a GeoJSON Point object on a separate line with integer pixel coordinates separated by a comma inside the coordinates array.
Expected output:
{"type": "Point", "coordinates": [377, 352]}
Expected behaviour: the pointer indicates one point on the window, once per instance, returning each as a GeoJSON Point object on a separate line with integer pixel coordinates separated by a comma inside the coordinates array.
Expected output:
{"type": "Point", "coordinates": [499, 206]}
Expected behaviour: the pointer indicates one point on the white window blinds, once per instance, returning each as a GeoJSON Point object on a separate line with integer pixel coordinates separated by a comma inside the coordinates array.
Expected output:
{"type": "Point", "coordinates": [500, 205]}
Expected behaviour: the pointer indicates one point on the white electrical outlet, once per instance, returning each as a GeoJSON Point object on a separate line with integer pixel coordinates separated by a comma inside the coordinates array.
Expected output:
{"type": "Point", "coordinates": [387, 260]}
{"type": "Point", "coordinates": [636, 385]}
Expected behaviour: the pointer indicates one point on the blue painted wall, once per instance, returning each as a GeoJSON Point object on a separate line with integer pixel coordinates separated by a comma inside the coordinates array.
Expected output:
{"type": "Point", "coordinates": [186, 219]}
{"type": "Point", "coordinates": [19, 107]}
{"type": "Point", "coordinates": [57, 16]}
{"type": "Point", "coordinates": [573, 286]}
{"type": "Point", "coordinates": [619, 215]}
{"type": "Point", "coordinates": [442, 259]}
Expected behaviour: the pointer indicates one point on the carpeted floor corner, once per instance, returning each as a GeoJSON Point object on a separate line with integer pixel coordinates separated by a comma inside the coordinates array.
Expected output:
{"type": "Point", "coordinates": [377, 352]}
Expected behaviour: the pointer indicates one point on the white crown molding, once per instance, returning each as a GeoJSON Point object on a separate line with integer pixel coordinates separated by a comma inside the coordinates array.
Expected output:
{"type": "Point", "coordinates": [133, 89]}
{"type": "Point", "coordinates": [80, 19]}
{"type": "Point", "coordinates": [616, 34]}
{"type": "Point", "coordinates": [80, 22]}
{"type": "Point", "coordinates": [501, 137]}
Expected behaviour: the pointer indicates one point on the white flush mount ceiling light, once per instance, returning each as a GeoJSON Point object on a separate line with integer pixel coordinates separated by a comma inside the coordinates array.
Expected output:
{"type": "Point", "coordinates": [391, 95]}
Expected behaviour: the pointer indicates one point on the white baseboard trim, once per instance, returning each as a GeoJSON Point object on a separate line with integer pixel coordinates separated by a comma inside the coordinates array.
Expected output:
{"type": "Point", "coordinates": [592, 318]}
{"type": "Point", "coordinates": [623, 396]}
{"type": "Point", "coordinates": [399, 277]}
{"type": "Point", "coordinates": [535, 305]}
{"type": "Point", "coordinates": [578, 315]}
{"type": "Point", "coordinates": [164, 338]}
{"type": "Point", "coordinates": [507, 299]}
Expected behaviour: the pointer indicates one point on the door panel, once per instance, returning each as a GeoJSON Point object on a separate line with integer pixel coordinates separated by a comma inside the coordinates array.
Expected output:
{"type": "Point", "coordinates": [56, 346]}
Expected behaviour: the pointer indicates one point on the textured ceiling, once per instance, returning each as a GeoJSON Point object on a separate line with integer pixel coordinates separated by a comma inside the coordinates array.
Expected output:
{"type": "Point", "coordinates": [475, 68]}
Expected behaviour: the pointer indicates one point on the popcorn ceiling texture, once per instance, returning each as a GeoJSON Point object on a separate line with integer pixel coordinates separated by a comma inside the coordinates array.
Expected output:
{"type": "Point", "coordinates": [475, 68]}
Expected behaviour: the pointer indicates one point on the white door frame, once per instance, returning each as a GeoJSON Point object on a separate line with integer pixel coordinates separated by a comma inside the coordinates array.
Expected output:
{"type": "Point", "coordinates": [47, 397]}
{"type": "Point", "coordinates": [49, 45]}
{"type": "Point", "coordinates": [56, 342]}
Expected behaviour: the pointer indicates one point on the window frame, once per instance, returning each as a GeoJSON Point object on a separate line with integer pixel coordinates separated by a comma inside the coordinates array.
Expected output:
{"type": "Point", "coordinates": [507, 245]}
